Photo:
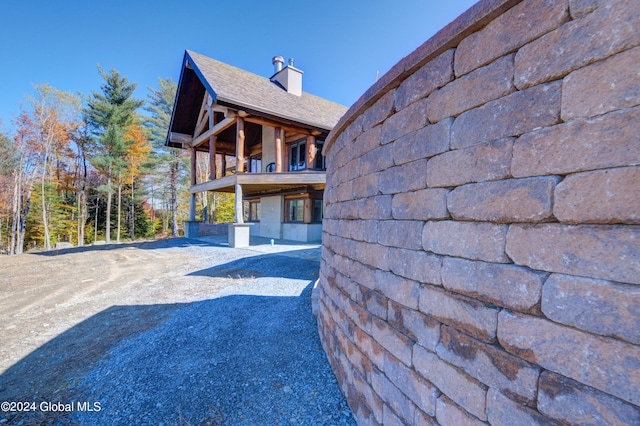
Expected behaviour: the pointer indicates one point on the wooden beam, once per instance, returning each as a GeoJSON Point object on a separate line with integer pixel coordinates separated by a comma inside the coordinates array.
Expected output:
{"type": "Point", "coordinates": [294, 137]}
{"type": "Point", "coordinates": [215, 130]}
{"type": "Point", "coordinates": [239, 145]}
{"type": "Point", "coordinates": [201, 123]}
{"type": "Point", "coordinates": [180, 138]}
{"type": "Point", "coordinates": [274, 124]}
{"type": "Point", "coordinates": [279, 148]}
{"type": "Point", "coordinates": [202, 112]}
{"type": "Point", "coordinates": [255, 150]}
{"type": "Point", "coordinates": [212, 148]}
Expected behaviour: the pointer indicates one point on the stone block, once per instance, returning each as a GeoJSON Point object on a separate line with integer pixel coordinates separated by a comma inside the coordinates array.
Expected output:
{"type": "Point", "coordinates": [388, 392]}
{"type": "Point", "coordinates": [378, 208]}
{"type": "Point", "coordinates": [416, 265]}
{"type": "Point", "coordinates": [369, 347]}
{"type": "Point", "coordinates": [376, 160]}
{"type": "Point", "coordinates": [368, 140]}
{"type": "Point", "coordinates": [401, 233]}
{"type": "Point", "coordinates": [404, 121]}
{"type": "Point", "coordinates": [521, 24]}
{"type": "Point", "coordinates": [464, 390]}
{"type": "Point", "coordinates": [509, 286]}
{"type": "Point", "coordinates": [424, 204]}
{"type": "Point", "coordinates": [570, 402]}
{"type": "Point", "coordinates": [423, 143]}
{"type": "Point", "coordinates": [470, 240]}
{"type": "Point", "coordinates": [362, 230]}
{"type": "Point", "coordinates": [344, 191]}
{"type": "Point", "coordinates": [610, 252]}
{"type": "Point", "coordinates": [363, 401]}
{"type": "Point", "coordinates": [579, 8]}
{"type": "Point", "coordinates": [404, 291]}
{"type": "Point", "coordinates": [356, 359]}
{"type": "Point", "coordinates": [484, 84]}
{"type": "Point", "coordinates": [460, 312]}
{"type": "Point", "coordinates": [502, 411]}
{"type": "Point", "coordinates": [379, 111]}
{"type": "Point", "coordinates": [434, 74]}
{"type": "Point", "coordinates": [489, 364]}
{"type": "Point", "coordinates": [603, 363]}
{"type": "Point", "coordinates": [448, 413]}
{"type": "Point", "coordinates": [392, 340]}
{"type": "Point", "coordinates": [580, 145]}
{"type": "Point", "coordinates": [415, 387]}
{"type": "Point", "coordinates": [407, 177]}
{"type": "Point", "coordinates": [575, 44]}
{"type": "Point", "coordinates": [515, 114]}
{"type": "Point", "coordinates": [601, 196]}
{"type": "Point", "coordinates": [417, 326]}
{"type": "Point", "coordinates": [365, 186]}
{"type": "Point", "coordinates": [374, 302]}
{"type": "Point", "coordinates": [423, 419]}
{"type": "Point", "coordinates": [389, 418]}
{"type": "Point", "coordinates": [612, 84]}
{"type": "Point", "coordinates": [504, 201]}
{"type": "Point", "coordinates": [597, 306]}
{"type": "Point", "coordinates": [478, 163]}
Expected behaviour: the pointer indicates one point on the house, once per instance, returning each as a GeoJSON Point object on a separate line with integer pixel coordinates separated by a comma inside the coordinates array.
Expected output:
{"type": "Point", "coordinates": [270, 131]}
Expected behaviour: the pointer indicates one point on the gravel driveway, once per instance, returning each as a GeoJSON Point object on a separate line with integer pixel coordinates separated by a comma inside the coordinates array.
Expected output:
{"type": "Point", "coordinates": [173, 332]}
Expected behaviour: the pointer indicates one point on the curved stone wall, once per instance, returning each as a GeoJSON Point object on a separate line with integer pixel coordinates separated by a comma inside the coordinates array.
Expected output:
{"type": "Point", "coordinates": [481, 254]}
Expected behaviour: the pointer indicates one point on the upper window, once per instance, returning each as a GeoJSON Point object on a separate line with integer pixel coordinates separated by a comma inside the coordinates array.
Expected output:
{"type": "Point", "coordinates": [298, 155]}
{"type": "Point", "coordinates": [320, 163]}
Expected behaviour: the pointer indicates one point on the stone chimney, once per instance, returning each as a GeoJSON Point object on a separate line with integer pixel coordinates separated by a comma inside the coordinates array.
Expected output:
{"type": "Point", "coordinates": [289, 77]}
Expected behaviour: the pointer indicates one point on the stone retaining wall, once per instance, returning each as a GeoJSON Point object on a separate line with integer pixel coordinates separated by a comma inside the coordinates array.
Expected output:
{"type": "Point", "coordinates": [481, 254]}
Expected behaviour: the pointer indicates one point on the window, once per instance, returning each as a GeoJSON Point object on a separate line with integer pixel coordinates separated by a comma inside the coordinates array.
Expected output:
{"type": "Point", "coordinates": [295, 210]}
{"type": "Point", "coordinates": [251, 211]}
{"type": "Point", "coordinates": [317, 210]}
{"type": "Point", "coordinates": [320, 163]}
{"type": "Point", "coordinates": [298, 155]}
{"type": "Point", "coordinates": [255, 164]}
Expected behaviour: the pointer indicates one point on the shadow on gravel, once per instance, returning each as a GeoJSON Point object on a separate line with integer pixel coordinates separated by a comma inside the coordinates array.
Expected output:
{"type": "Point", "coordinates": [237, 359]}
{"type": "Point", "coordinates": [267, 265]}
{"type": "Point", "coordinates": [145, 245]}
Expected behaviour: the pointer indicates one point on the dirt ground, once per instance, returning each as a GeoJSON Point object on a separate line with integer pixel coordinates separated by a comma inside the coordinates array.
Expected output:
{"type": "Point", "coordinates": [46, 295]}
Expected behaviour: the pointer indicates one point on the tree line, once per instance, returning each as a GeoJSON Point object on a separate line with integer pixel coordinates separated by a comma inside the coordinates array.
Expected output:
{"type": "Point", "coordinates": [89, 168]}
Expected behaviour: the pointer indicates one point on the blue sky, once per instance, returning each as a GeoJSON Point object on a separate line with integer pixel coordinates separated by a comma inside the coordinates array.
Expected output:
{"type": "Point", "coordinates": [339, 44]}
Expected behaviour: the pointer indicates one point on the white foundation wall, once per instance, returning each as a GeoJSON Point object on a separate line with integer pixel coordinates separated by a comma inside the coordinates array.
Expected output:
{"type": "Point", "coordinates": [271, 217]}
{"type": "Point", "coordinates": [268, 147]}
{"type": "Point", "coordinates": [307, 232]}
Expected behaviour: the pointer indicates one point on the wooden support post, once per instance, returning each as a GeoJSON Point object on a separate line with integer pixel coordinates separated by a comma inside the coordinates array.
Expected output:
{"type": "Point", "coordinates": [212, 148]}
{"type": "Point", "coordinates": [223, 173]}
{"type": "Point", "coordinates": [308, 210]}
{"type": "Point", "coordinates": [279, 148]}
{"type": "Point", "coordinates": [192, 198]}
{"type": "Point", "coordinates": [238, 204]}
{"type": "Point", "coordinates": [239, 145]}
{"type": "Point", "coordinates": [311, 152]}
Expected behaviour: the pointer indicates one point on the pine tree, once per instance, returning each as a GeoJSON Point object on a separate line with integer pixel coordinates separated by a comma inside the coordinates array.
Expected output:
{"type": "Point", "coordinates": [160, 106]}
{"type": "Point", "coordinates": [108, 114]}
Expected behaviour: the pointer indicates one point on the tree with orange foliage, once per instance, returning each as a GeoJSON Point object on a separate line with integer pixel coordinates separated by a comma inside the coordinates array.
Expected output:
{"type": "Point", "coordinates": [136, 155]}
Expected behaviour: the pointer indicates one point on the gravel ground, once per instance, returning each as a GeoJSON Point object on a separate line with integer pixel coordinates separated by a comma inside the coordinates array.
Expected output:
{"type": "Point", "coordinates": [230, 339]}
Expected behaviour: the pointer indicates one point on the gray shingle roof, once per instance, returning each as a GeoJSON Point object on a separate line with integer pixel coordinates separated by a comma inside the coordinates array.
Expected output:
{"type": "Point", "coordinates": [247, 90]}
